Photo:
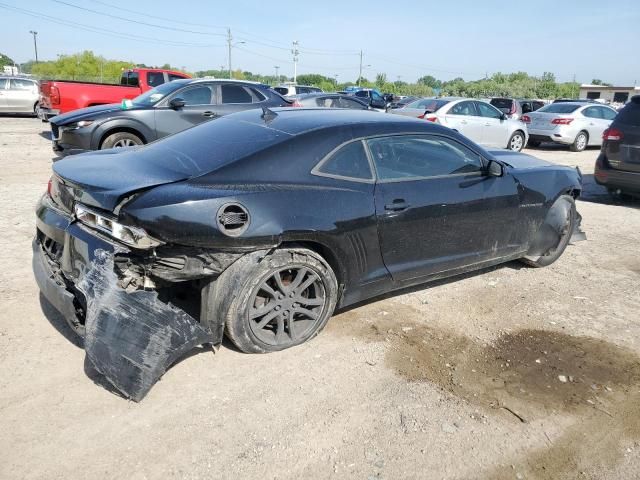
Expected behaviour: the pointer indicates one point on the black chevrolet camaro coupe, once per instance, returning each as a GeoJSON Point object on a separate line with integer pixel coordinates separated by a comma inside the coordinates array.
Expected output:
{"type": "Point", "coordinates": [262, 223]}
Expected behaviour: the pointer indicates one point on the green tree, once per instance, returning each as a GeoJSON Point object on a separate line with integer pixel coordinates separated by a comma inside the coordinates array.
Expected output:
{"type": "Point", "coordinates": [5, 60]}
{"type": "Point", "coordinates": [381, 79]}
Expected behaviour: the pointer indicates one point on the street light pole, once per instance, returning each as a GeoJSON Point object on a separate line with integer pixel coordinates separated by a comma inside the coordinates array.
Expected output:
{"type": "Point", "coordinates": [360, 75]}
{"type": "Point", "coordinates": [230, 44]}
{"type": "Point", "coordinates": [277, 67]}
{"type": "Point", "coordinates": [35, 43]}
{"type": "Point", "coordinates": [295, 53]}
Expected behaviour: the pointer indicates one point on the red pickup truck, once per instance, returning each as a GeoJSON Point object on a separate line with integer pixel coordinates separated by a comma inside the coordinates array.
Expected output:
{"type": "Point", "coordinates": [62, 96]}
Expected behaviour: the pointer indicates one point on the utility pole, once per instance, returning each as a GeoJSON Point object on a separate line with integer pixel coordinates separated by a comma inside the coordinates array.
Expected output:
{"type": "Point", "coordinates": [229, 40]}
{"type": "Point", "coordinates": [277, 67]}
{"type": "Point", "coordinates": [295, 53]}
{"type": "Point", "coordinates": [35, 43]}
{"type": "Point", "coordinates": [360, 75]}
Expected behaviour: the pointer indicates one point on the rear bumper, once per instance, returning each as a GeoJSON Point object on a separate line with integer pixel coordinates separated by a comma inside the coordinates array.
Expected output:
{"type": "Point", "coordinates": [549, 136]}
{"type": "Point", "coordinates": [47, 113]}
{"type": "Point", "coordinates": [617, 179]}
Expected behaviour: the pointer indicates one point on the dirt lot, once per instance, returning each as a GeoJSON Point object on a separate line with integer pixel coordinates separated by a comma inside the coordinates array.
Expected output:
{"type": "Point", "coordinates": [511, 373]}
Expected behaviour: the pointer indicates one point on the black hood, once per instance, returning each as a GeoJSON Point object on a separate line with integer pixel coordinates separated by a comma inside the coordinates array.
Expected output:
{"type": "Point", "coordinates": [91, 113]}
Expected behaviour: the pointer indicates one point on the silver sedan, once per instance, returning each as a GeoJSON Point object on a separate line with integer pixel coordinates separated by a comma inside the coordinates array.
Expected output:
{"type": "Point", "coordinates": [478, 120]}
{"type": "Point", "coordinates": [18, 95]}
{"type": "Point", "coordinates": [577, 124]}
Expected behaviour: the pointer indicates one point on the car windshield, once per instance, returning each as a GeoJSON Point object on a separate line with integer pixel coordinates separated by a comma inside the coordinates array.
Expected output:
{"type": "Point", "coordinates": [154, 95]}
{"type": "Point", "coordinates": [559, 108]}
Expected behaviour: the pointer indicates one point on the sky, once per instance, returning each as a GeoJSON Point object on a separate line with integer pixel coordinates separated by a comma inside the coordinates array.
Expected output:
{"type": "Point", "coordinates": [404, 39]}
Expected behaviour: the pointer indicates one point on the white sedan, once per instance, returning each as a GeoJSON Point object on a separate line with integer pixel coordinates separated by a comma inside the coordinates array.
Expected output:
{"type": "Point", "coordinates": [475, 119]}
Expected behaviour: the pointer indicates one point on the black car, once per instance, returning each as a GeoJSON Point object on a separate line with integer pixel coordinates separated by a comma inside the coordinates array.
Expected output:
{"type": "Point", "coordinates": [166, 109]}
{"type": "Point", "coordinates": [329, 100]}
{"type": "Point", "coordinates": [394, 102]}
{"type": "Point", "coordinates": [262, 223]}
{"type": "Point", "coordinates": [372, 97]}
{"type": "Point", "coordinates": [618, 165]}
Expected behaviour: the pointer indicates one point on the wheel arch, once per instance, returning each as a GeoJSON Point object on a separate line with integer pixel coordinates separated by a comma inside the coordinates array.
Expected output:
{"type": "Point", "coordinates": [109, 128]}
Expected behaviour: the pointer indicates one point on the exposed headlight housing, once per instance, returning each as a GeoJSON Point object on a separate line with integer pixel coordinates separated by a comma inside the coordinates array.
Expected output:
{"type": "Point", "coordinates": [133, 236]}
{"type": "Point", "coordinates": [76, 125]}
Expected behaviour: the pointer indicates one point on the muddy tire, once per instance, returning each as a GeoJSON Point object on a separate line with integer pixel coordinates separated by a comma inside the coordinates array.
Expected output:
{"type": "Point", "coordinates": [559, 224]}
{"type": "Point", "coordinates": [580, 143]}
{"type": "Point", "coordinates": [121, 139]}
{"type": "Point", "coordinates": [273, 301]}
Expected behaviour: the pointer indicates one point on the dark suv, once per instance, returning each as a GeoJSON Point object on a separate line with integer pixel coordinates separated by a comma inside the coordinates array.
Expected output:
{"type": "Point", "coordinates": [618, 165]}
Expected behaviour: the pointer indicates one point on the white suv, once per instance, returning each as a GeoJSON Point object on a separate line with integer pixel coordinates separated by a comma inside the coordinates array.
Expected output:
{"type": "Point", "coordinates": [287, 90]}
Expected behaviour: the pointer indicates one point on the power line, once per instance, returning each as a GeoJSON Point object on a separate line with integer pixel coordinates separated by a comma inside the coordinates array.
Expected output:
{"type": "Point", "coordinates": [148, 15]}
{"type": "Point", "coordinates": [103, 31]}
{"type": "Point", "coordinates": [154, 25]}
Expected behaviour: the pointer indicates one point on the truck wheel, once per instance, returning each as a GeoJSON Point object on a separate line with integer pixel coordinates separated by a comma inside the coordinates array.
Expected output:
{"type": "Point", "coordinates": [554, 234]}
{"type": "Point", "coordinates": [273, 301]}
{"type": "Point", "coordinates": [121, 139]}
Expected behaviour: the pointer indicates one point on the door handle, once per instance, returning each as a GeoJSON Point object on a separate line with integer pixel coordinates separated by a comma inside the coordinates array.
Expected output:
{"type": "Point", "coordinates": [209, 114]}
{"type": "Point", "coordinates": [397, 205]}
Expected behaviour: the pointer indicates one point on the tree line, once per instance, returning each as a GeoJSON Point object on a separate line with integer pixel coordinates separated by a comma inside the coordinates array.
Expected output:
{"type": "Point", "coordinates": [86, 66]}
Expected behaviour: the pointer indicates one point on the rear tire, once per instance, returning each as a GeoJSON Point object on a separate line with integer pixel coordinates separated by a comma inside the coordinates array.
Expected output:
{"type": "Point", "coordinates": [35, 109]}
{"type": "Point", "coordinates": [516, 142]}
{"type": "Point", "coordinates": [561, 220]}
{"type": "Point", "coordinates": [274, 301]}
{"type": "Point", "coordinates": [121, 139]}
{"type": "Point", "coordinates": [580, 143]}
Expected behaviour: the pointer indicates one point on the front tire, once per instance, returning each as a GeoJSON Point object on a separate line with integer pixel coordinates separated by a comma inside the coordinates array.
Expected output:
{"type": "Point", "coordinates": [580, 143]}
{"type": "Point", "coordinates": [121, 139]}
{"type": "Point", "coordinates": [275, 301]}
{"type": "Point", "coordinates": [516, 142]}
{"type": "Point", "coordinates": [559, 224]}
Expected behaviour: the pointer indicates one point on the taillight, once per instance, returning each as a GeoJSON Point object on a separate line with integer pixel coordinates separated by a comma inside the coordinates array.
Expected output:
{"type": "Point", "coordinates": [431, 118]}
{"type": "Point", "coordinates": [49, 188]}
{"type": "Point", "coordinates": [562, 121]}
{"type": "Point", "coordinates": [612, 135]}
{"type": "Point", "coordinates": [526, 119]}
{"type": "Point", "coordinates": [54, 94]}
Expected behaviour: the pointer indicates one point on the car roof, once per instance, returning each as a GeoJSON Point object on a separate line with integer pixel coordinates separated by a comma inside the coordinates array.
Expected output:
{"type": "Point", "coordinates": [294, 121]}
{"type": "Point", "coordinates": [222, 80]}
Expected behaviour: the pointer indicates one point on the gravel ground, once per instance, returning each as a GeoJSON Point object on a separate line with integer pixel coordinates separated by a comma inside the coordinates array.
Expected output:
{"type": "Point", "coordinates": [510, 373]}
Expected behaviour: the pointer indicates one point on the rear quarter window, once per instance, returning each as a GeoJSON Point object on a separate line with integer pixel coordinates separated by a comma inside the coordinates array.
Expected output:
{"type": "Point", "coordinates": [349, 161]}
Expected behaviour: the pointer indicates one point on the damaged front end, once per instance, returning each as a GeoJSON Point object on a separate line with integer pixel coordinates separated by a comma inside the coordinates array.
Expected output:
{"type": "Point", "coordinates": [138, 310]}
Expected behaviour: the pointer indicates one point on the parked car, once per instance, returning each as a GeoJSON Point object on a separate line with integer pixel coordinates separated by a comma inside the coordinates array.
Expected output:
{"type": "Point", "coordinates": [288, 90]}
{"type": "Point", "coordinates": [328, 100]}
{"type": "Point", "coordinates": [478, 120]}
{"type": "Point", "coordinates": [515, 108]}
{"type": "Point", "coordinates": [373, 98]}
{"type": "Point", "coordinates": [618, 165]}
{"type": "Point", "coordinates": [18, 95]}
{"type": "Point", "coordinates": [62, 96]}
{"type": "Point", "coordinates": [577, 124]}
{"type": "Point", "coordinates": [419, 107]}
{"type": "Point", "coordinates": [397, 102]}
{"type": "Point", "coordinates": [320, 210]}
{"type": "Point", "coordinates": [169, 108]}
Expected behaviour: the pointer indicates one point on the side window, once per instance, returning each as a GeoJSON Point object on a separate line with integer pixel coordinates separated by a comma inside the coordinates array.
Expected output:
{"type": "Point", "coordinates": [362, 94]}
{"type": "Point", "coordinates": [537, 105]}
{"type": "Point", "coordinates": [419, 156]}
{"type": "Point", "coordinates": [173, 76]}
{"type": "Point", "coordinates": [350, 161]}
{"type": "Point", "coordinates": [463, 108]}
{"type": "Point", "coordinates": [282, 90]}
{"type": "Point", "coordinates": [526, 107]}
{"type": "Point", "coordinates": [260, 97]}
{"type": "Point", "coordinates": [155, 78]}
{"type": "Point", "coordinates": [487, 110]}
{"type": "Point", "coordinates": [327, 102]}
{"type": "Point", "coordinates": [592, 112]}
{"type": "Point", "coordinates": [132, 79]}
{"type": "Point", "coordinates": [348, 103]}
{"type": "Point", "coordinates": [235, 94]}
{"type": "Point", "coordinates": [607, 113]}
{"type": "Point", "coordinates": [377, 96]}
{"type": "Point", "coordinates": [200, 95]}
{"type": "Point", "coordinates": [19, 84]}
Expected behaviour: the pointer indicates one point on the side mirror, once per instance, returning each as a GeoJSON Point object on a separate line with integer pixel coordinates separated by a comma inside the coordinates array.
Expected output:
{"type": "Point", "coordinates": [504, 116]}
{"type": "Point", "coordinates": [495, 169]}
{"type": "Point", "coordinates": [176, 103]}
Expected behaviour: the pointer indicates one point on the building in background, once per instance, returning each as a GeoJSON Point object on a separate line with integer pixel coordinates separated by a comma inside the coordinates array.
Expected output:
{"type": "Point", "coordinates": [608, 94]}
